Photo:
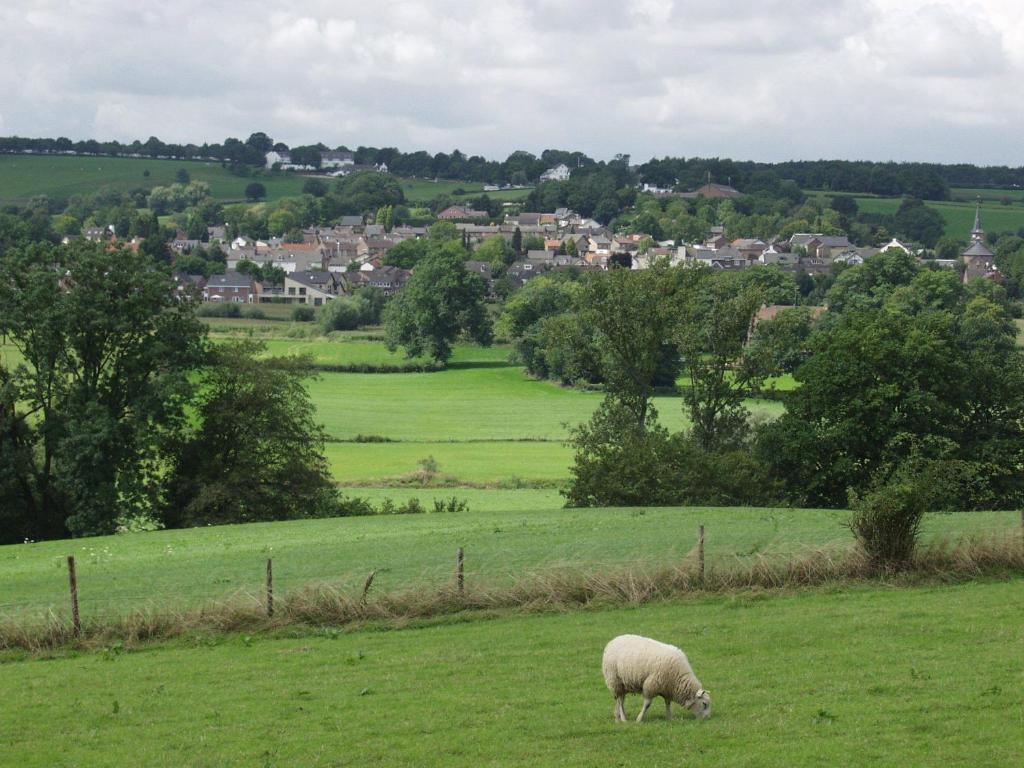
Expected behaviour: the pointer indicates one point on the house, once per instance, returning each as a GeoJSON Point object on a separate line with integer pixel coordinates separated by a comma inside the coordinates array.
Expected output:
{"type": "Point", "coordinates": [231, 286]}
{"type": "Point", "coordinates": [750, 248]}
{"type": "Point", "coordinates": [313, 288]}
{"type": "Point", "coordinates": [351, 221]}
{"type": "Point", "coordinates": [182, 243]}
{"type": "Point", "coordinates": [559, 173]}
{"type": "Point", "coordinates": [453, 212]}
{"type": "Point", "coordinates": [189, 285]}
{"type": "Point", "coordinates": [388, 279]}
{"type": "Point", "coordinates": [331, 160]}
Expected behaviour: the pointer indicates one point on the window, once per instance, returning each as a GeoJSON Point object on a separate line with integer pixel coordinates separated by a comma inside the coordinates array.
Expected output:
{"type": "Point", "coordinates": [291, 290]}
{"type": "Point", "coordinates": [317, 302]}
{"type": "Point", "coordinates": [302, 291]}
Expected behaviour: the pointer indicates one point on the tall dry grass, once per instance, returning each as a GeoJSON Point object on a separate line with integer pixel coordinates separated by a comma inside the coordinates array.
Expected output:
{"type": "Point", "coordinates": [557, 588]}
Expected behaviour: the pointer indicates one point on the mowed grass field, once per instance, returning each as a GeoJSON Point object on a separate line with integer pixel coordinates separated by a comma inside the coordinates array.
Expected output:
{"type": "Point", "coordinates": [867, 676]}
{"type": "Point", "coordinates": [425, 190]}
{"type": "Point", "coordinates": [507, 536]}
{"type": "Point", "coordinates": [24, 176]}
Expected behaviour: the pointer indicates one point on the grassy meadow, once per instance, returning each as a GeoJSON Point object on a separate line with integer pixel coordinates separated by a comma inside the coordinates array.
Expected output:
{"type": "Point", "coordinates": [865, 676]}
{"type": "Point", "coordinates": [425, 190]}
{"type": "Point", "coordinates": [23, 176]}
{"type": "Point", "coordinates": [507, 535]}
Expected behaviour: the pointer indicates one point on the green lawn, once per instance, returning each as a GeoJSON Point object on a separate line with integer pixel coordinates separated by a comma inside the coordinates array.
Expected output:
{"type": "Point", "coordinates": [867, 676]}
{"type": "Point", "coordinates": [425, 190]}
{"type": "Point", "coordinates": [504, 539]}
{"type": "Point", "coordinates": [473, 462]}
{"type": "Point", "coordinates": [23, 176]}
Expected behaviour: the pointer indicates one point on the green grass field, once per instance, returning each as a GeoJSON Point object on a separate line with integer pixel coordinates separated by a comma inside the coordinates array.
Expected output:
{"type": "Point", "coordinates": [869, 676]}
{"type": "Point", "coordinates": [23, 176]}
{"type": "Point", "coordinates": [959, 217]}
{"type": "Point", "coordinates": [425, 190]}
{"type": "Point", "coordinates": [506, 535]}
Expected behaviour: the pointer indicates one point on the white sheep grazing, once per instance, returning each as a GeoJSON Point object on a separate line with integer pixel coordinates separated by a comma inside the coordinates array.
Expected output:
{"type": "Point", "coordinates": [635, 664]}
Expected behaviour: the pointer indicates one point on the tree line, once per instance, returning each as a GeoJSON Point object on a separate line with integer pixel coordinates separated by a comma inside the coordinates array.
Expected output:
{"type": "Point", "coordinates": [927, 181]}
{"type": "Point", "coordinates": [911, 378]}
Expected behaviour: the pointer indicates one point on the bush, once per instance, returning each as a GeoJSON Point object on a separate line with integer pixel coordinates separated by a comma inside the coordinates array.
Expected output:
{"type": "Point", "coordinates": [255, 313]}
{"type": "Point", "coordinates": [886, 522]}
{"type": "Point", "coordinates": [226, 309]}
{"type": "Point", "coordinates": [303, 314]}
{"type": "Point", "coordinates": [343, 314]}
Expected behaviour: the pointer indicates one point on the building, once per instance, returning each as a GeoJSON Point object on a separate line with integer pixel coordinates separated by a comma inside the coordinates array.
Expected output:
{"type": "Point", "coordinates": [458, 212]}
{"type": "Point", "coordinates": [979, 261]}
{"type": "Point", "coordinates": [559, 173]}
{"type": "Point", "coordinates": [312, 288]}
{"type": "Point", "coordinates": [231, 286]}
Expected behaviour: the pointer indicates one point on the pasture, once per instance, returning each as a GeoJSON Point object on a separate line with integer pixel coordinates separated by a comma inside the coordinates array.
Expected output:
{"type": "Point", "coordinates": [869, 675]}
{"type": "Point", "coordinates": [958, 216]}
{"type": "Point", "coordinates": [24, 176]}
{"type": "Point", "coordinates": [425, 190]}
{"type": "Point", "coordinates": [507, 535]}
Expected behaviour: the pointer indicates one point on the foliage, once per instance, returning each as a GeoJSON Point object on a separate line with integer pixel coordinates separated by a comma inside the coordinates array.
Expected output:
{"type": "Point", "coordinates": [255, 451]}
{"type": "Point", "coordinates": [710, 335]}
{"type": "Point", "coordinates": [303, 314]}
{"type": "Point", "coordinates": [887, 521]}
{"type": "Point", "coordinates": [255, 191]}
{"type": "Point", "coordinates": [106, 350]}
{"type": "Point", "coordinates": [782, 342]}
{"type": "Point", "coordinates": [927, 374]}
{"type": "Point", "coordinates": [350, 313]}
{"type": "Point", "coordinates": [441, 301]}
{"type": "Point", "coordinates": [363, 193]}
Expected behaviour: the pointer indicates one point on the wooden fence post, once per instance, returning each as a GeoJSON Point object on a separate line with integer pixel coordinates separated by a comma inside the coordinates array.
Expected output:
{"type": "Point", "coordinates": [270, 588]}
{"type": "Point", "coordinates": [459, 571]}
{"type": "Point", "coordinates": [76, 620]}
{"type": "Point", "coordinates": [700, 553]}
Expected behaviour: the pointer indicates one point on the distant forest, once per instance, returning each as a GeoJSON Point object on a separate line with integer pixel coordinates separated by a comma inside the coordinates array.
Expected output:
{"type": "Point", "coordinates": [926, 181]}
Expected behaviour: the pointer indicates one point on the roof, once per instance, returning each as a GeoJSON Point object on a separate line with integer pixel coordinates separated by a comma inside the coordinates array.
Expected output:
{"type": "Point", "coordinates": [229, 280]}
{"type": "Point", "coordinates": [978, 248]}
{"type": "Point", "coordinates": [312, 279]}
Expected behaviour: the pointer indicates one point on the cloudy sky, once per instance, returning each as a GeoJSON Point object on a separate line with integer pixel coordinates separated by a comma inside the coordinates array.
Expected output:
{"type": "Point", "coordinates": [751, 79]}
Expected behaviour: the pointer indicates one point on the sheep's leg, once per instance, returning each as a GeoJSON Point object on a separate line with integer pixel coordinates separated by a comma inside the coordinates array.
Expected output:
{"type": "Point", "coordinates": [668, 709]}
{"type": "Point", "coordinates": [620, 708]}
{"type": "Point", "coordinates": [643, 709]}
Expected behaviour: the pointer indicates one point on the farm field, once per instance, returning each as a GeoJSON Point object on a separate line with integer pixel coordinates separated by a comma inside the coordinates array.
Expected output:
{"type": "Point", "coordinates": [23, 176]}
{"type": "Point", "coordinates": [425, 190]}
{"type": "Point", "coordinates": [969, 194]}
{"type": "Point", "coordinates": [506, 536]}
{"type": "Point", "coordinates": [958, 216]}
{"type": "Point", "coordinates": [865, 676]}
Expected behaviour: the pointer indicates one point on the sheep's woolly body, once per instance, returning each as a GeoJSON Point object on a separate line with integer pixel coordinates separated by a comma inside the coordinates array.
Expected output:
{"type": "Point", "coordinates": [635, 664]}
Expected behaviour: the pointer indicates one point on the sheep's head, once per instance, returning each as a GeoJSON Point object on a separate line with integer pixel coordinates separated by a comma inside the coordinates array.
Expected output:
{"type": "Point", "coordinates": [701, 705]}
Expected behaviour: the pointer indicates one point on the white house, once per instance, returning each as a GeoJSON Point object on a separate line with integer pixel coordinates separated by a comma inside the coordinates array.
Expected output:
{"type": "Point", "coordinates": [559, 173]}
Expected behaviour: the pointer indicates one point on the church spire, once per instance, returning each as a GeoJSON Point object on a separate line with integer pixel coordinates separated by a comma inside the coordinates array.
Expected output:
{"type": "Point", "coordinates": [977, 234]}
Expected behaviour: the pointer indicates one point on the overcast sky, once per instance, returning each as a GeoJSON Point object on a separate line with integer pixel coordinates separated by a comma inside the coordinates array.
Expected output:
{"type": "Point", "coordinates": [936, 80]}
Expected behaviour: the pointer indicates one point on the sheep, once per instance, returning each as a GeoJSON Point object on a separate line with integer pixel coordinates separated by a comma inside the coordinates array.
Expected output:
{"type": "Point", "coordinates": [635, 664]}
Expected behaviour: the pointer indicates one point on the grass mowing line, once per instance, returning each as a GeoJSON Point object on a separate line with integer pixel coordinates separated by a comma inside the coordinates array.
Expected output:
{"type": "Point", "coordinates": [864, 676]}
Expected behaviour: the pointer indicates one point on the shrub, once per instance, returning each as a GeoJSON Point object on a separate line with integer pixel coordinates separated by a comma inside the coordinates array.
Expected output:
{"type": "Point", "coordinates": [226, 309]}
{"type": "Point", "coordinates": [887, 520]}
{"type": "Point", "coordinates": [255, 313]}
{"type": "Point", "coordinates": [303, 314]}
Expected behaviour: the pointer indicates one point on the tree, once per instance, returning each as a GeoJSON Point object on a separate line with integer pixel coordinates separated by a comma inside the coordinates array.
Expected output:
{"type": "Point", "coordinates": [107, 351]}
{"type": "Point", "coordinates": [181, 176]}
{"type": "Point", "coordinates": [633, 313]}
{"type": "Point", "coordinates": [255, 191]}
{"type": "Point", "coordinates": [315, 187]}
{"type": "Point", "coordinates": [710, 335]}
{"type": "Point", "coordinates": [911, 379]}
{"type": "Point", "coordinates": [256, 451]}
{"type": "Point", "coordinates": [496, 251]}
{"type": "Point", "coordinates": [441, 301]}
{"type": "Point", "coordinates": [517, 241]}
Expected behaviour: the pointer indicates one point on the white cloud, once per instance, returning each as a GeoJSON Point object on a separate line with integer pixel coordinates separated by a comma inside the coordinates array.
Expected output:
{"type": "Point", "coordinates": [903, 79]}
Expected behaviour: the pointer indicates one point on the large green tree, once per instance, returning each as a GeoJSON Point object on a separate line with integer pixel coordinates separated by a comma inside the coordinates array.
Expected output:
{"type": "Point", "coordinates": [105, 348]}
{"type": "Point", "coordinates": [441, 301]}
{"type": "Point", "coordinates": [254, 451]}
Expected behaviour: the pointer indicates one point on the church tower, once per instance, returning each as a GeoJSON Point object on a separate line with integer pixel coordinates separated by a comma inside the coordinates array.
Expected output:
{"type": "Point", "coordinates": [979, 260]}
